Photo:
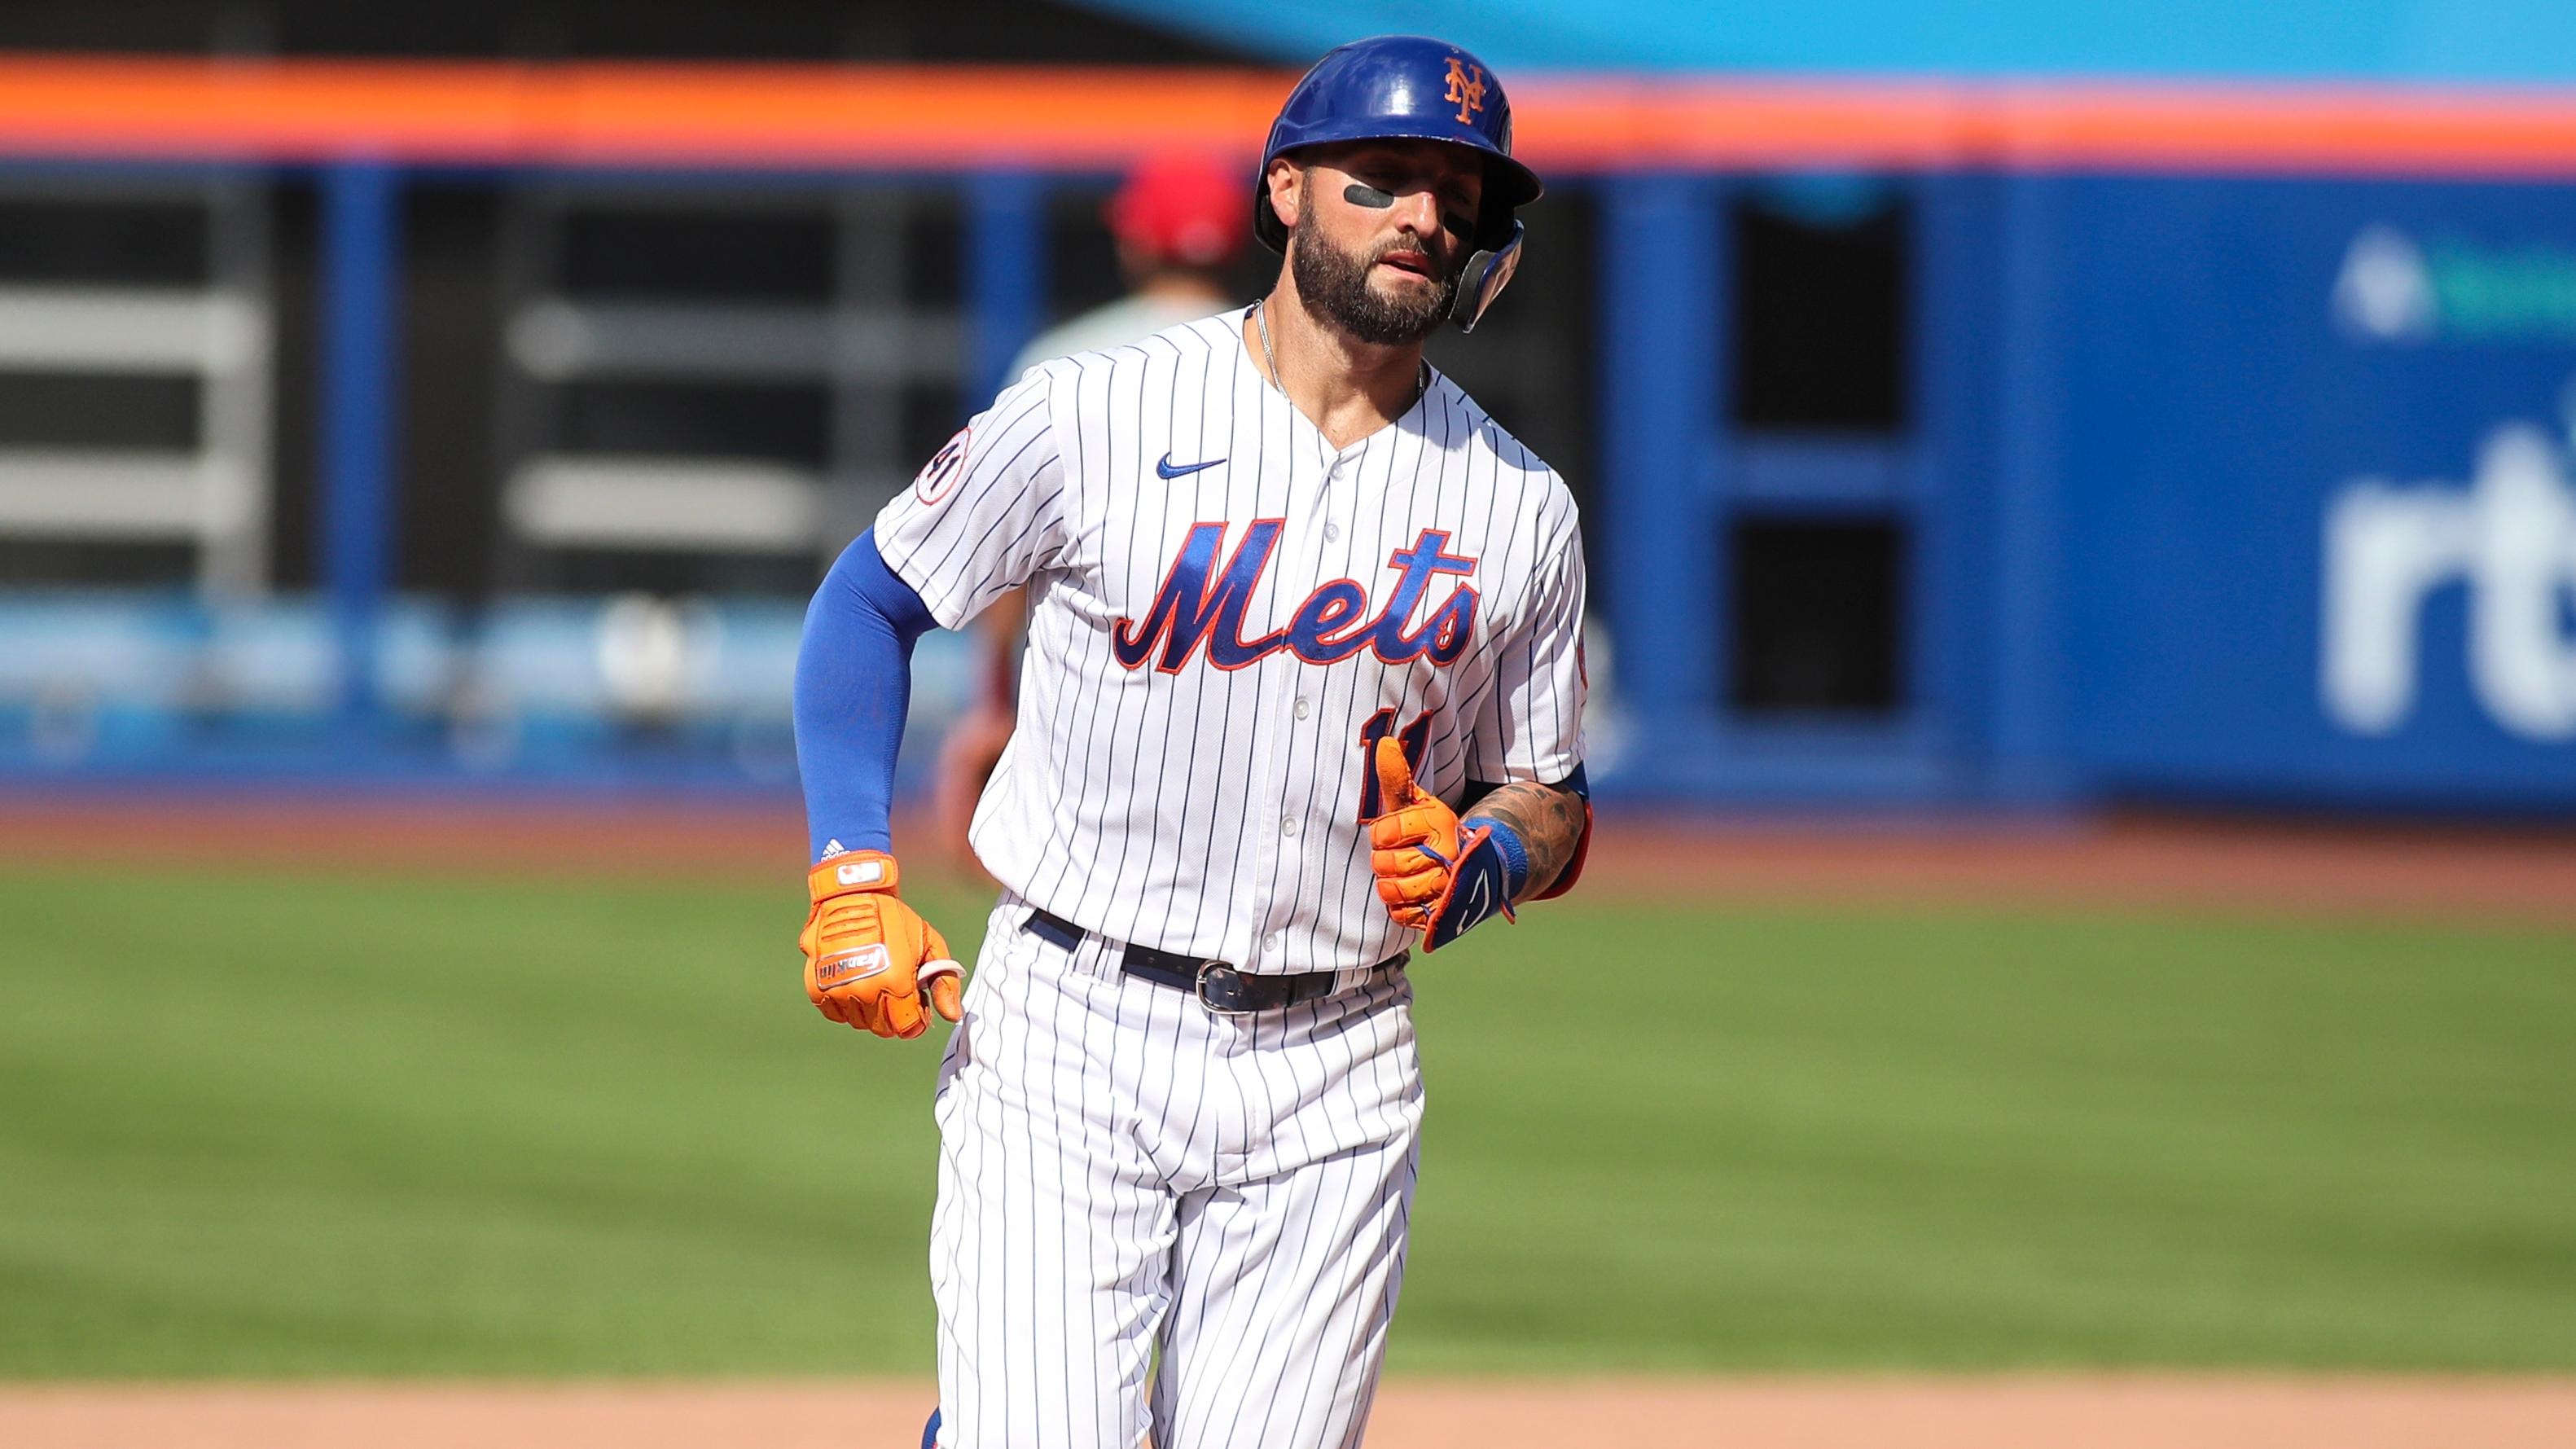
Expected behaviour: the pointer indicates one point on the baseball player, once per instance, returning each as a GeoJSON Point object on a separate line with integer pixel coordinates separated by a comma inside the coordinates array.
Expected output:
{"type": "Point", "coordinates": [1302, 692]}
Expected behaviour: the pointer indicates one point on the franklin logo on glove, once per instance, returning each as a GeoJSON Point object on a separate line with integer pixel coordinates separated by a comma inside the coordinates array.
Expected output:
{"type": "Point", "coordinates": [868, 961]}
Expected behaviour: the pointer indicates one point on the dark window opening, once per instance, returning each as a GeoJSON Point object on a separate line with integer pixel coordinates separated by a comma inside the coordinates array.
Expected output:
{"type": "Point", "coordinates": [449, 334]}
{"type": "Point", "coordinates": [69, 240]}
{"type": "Point", "coordinates": [782, 422]}
{"type": "Point", "coordinates": [934, 250]}
{"type": "Point", "coordinates": [1082, 257]}
{"type": "Point", "coordinates": [1818, 622]}
{"type": "Point", "coordinates": [98, 410]}
{"type": "Point", "coordinates": [1820, 312]}
{"type": "Point", "coordinates": [932, 414]}
{"type": "Point", "coordinates": [750, 255]}
{"type": "Point", "coordinates": [48, 562]}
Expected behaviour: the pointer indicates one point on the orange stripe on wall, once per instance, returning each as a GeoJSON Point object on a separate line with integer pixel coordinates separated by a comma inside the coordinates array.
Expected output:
{"type": "Point", "coordinates": [904, 116]}
{"type": "Point", "coordinates": [734, 116]}
{"type": "Point", "coordinates": [1591, 123]}
{"type": "Point", "coordinates": [2337, 129]}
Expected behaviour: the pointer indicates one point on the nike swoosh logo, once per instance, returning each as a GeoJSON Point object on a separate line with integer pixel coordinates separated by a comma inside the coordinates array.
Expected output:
{"type": "Point", "coordinates": [1166, 469]}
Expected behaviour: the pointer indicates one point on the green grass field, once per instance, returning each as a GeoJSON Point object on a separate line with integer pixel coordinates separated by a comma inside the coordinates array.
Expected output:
{"type": "Point", "coordinates": [259, 1124]}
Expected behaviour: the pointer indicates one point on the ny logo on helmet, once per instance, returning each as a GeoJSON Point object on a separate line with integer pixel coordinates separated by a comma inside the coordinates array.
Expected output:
{"type": "Point", "coordinates": [1466, 87]}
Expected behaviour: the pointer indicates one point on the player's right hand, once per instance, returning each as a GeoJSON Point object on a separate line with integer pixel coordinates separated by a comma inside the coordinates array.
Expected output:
{"type": "Point", "coordinates": [967, 758]}
{"type": "Point", "coordinates": [870, 960]}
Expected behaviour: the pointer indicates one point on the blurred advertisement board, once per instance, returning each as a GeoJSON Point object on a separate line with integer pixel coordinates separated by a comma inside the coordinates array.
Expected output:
{"type": "Point", "coordinates": [2320, 499]}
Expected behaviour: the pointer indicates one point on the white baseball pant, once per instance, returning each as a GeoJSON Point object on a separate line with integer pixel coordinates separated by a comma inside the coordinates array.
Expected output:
{"type": "Point", "coordinates": [1121, 1169]}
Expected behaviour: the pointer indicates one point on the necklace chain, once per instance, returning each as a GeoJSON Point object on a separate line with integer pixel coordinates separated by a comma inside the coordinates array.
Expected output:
{"type": "Point", "coordinates": [1261, 323]}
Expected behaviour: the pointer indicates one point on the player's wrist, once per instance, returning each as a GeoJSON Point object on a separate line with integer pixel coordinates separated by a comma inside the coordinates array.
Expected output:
{"type": "Point", "coordinates": [1508, 844]}
{"type": "Point", "coordinates": [851, 872]}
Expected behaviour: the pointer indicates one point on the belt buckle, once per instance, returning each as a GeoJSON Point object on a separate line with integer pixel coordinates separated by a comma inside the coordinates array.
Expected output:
{"type": "Point", "coordinates": [1221, 989]}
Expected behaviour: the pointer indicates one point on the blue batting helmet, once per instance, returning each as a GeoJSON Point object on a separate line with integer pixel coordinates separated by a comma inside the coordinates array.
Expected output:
{"type": "Point", "coordinates": [1411, 87]}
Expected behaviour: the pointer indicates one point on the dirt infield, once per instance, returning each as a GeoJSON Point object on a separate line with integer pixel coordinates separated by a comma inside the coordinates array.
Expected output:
{"type": "Point", "coordinates": [2489, 875]}
{"type": "Point", "coordinates": [1811, 1413]}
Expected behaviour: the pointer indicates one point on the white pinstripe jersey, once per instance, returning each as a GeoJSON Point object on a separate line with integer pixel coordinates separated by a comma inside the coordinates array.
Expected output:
{"type": "Point", "coordinates": [1223, 611]}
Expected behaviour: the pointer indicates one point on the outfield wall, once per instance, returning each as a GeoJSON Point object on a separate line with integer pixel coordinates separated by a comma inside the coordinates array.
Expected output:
{"type": "Point", "coordinates": [2166, 443]}
{"type": "Point", "coordinates": [2200, 487]}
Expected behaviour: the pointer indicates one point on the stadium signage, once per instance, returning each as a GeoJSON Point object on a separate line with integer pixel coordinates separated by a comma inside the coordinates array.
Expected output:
{"type": "Point", "coordinates": [2391, 289]}
{"type": "Point", "coordinates": [2509, 534]}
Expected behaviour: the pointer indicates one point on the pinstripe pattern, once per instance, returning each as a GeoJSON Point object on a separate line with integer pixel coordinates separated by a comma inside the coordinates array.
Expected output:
{"type": "Point", "coordinates": [1120, 1169]}
{"type": "Point", "coordinates": [1117, 1162]}
{"type": "Point", "coordinates": [1215, 812]}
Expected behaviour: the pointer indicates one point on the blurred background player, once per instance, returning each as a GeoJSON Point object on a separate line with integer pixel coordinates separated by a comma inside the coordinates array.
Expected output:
{"type": "Point", "coordinates": [1179, 222]}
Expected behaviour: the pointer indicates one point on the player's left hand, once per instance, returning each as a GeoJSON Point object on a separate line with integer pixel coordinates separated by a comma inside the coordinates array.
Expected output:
{"type": "Point", "coordinates": [1434, 875]}
{"type": "Point", "coordinates": [870, 960]}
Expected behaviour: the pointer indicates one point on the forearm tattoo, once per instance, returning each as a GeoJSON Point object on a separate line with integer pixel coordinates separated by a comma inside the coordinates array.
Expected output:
{"type": "Point", "coordinates": [1549, 821]}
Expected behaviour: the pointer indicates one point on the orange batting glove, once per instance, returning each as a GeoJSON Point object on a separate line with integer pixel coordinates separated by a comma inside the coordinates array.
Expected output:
{"type": "Point", "coordinates": [1409, 879]}
{"type": "Point", "coordinates": [1434, 875]}
{"type": "Point", "coordinates": [870, 960]}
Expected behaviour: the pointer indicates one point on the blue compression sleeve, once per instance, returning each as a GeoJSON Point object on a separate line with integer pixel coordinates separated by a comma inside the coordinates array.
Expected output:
{"type": "Point", "coordinates": [853, 685]}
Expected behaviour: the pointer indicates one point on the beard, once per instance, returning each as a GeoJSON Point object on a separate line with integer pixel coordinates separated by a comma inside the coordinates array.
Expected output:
{"type": "Point", "coordinates": [1334, 284]}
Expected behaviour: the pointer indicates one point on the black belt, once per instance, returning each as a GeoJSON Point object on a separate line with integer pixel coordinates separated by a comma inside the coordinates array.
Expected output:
{"type": "Point", "coordinates": [1222, 987]}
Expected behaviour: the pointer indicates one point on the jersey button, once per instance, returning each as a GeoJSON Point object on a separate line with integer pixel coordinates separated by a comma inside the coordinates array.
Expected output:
{"type": "Point", "coordinates": [1272, 943]}
{"type": "Point", "coordinates": [1288, 826]}
{"type": "Point", "coordinates": [1303, 708]}
{"type": "Point", "coordinates": [1332, 532]}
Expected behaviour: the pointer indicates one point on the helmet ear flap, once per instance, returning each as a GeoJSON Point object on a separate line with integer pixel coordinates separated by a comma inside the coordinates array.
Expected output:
{"type": "Point", "coordinates": [1487, 272]}
{"type": "Point", "coordinates": [1496, 227]}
